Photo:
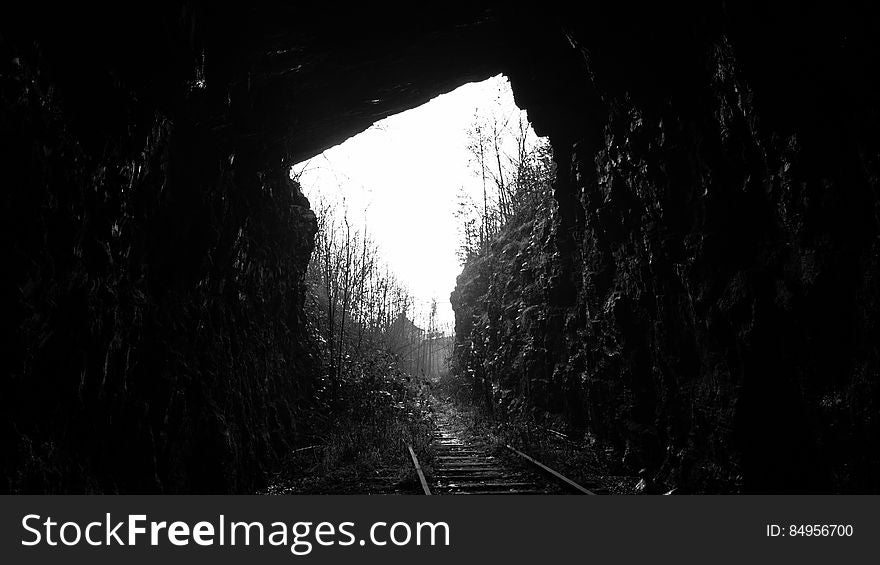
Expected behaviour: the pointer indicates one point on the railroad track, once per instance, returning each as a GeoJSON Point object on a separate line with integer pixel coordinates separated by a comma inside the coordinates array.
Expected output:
{"type": "Point", "coordinates": [462, 466]}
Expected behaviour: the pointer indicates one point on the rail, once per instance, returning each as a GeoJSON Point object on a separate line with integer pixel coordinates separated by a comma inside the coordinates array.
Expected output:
{"type": "Point", "coordinates": [418, 467]}
{"type": "Point", "coordinates": [556, 474]}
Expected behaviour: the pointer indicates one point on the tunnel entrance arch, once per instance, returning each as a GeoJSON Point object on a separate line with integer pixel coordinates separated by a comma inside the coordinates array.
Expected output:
{"type": "Point", "coordinates": [694, 272]}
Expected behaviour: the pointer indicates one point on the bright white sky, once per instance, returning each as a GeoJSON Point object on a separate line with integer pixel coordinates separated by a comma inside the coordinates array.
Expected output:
{"type": "Point", "coordinates": [402, 175]}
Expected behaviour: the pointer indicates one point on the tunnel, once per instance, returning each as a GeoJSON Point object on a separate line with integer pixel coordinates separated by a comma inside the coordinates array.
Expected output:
{"type": "Point", "coordinates": [711, 307]}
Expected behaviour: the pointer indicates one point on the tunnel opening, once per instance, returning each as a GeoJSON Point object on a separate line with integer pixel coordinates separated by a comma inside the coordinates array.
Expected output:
{"type": "Point", "coordinates": [416, 182]}
{"type": "Point", "coordinates": [707, 309]}
{"type": "Point", "coordinates": [401, 209]}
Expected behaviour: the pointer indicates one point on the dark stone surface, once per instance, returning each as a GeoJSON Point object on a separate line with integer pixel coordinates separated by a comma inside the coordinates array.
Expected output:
{"type": "Point", "coordinates": [711, 295]}
{"type": "Point", "coordinates": [714, 268]}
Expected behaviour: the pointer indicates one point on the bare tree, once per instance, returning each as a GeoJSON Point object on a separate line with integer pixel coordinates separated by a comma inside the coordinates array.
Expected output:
{"type": "Point", "coordinates": [520, 174]}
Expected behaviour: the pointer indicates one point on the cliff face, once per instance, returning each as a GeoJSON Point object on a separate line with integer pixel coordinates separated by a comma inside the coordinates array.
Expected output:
{"type": "Point", "coordinates": [709, 295]}
{"type": "Point", "coordinates": [708, 282]}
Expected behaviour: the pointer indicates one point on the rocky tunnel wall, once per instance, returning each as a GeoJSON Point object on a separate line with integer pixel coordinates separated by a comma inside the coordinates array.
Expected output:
{"type": "Point", "coordinates": [710, 307]}
{"type": "Point", "coordinates": [703, 297]}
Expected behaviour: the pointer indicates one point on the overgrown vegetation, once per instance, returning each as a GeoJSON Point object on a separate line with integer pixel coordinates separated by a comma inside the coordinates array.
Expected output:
{"type": "Point", "coordinates": [515, 169]}
{"type": "Point", "coordinates": [371, 396]}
